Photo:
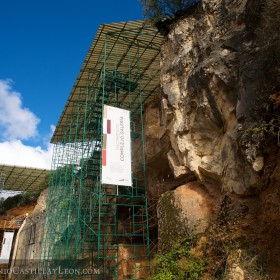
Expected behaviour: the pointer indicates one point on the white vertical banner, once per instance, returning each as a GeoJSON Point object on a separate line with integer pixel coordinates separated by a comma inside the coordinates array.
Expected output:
{"type": "Point", "coordinates": [6, 247]}
{"type": "Point", "coordinates": [116, 147]}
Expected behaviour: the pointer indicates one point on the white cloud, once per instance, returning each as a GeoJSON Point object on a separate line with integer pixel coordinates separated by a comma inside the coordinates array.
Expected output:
{"type": "Point", "coordinates": [16, 121]}
{"type": "Point", "coordinates": [14, 152]}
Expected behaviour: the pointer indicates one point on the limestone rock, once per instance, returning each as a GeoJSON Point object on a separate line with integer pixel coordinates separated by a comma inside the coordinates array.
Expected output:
{"type": "Point", "coordinates": [153, 128]}
{"type": "Point", "coordinates": [178, 170]}
{"type": "Point", "coordinates": [210, 77]}
{"type": "Point", "coordinates": [41, 201]}
{"type": "Point", "coordinates": [155, 142]}
{"type": "Point", "coordinates": [236, 273]}
{"type": "Point", "coordinates": [183, 212]}
{"type": "Point", "coordinates": [258, 164]}
{"type": "Point", "coordinates": [234, 270]}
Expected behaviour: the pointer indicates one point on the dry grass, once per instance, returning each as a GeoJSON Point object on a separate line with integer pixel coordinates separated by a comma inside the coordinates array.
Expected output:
{"type": "Point", "coordinates": [271, 24]}
{"type": "Point", "coordinates": [226, 246]}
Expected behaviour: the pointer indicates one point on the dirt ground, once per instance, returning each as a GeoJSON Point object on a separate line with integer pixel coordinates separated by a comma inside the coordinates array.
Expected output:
{"type": "Point", "coordinates": [267, 226]}
{"type": "Point", "coordinates": [18, 211]}
{"type": "Point", "coordinates": [250, 223]}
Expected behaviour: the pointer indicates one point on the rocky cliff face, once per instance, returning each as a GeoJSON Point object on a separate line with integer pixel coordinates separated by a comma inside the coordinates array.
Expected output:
{"type": "Point", "coordinates": [213, 65]}
{"type": "Point", "coordinates": [210, 120]}
{"type": "Point", "coordinates": [29, 250]}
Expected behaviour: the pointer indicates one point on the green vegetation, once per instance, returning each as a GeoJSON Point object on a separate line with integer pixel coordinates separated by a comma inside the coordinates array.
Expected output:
{"type": "Point", "coordinates": [172, 230]}
{"type": "Point", "coordinates": [179, 263]}
{"type": "Point", "coordinates": [166, 9]}
{"type": "Point", "coordinates": [227, 247]}
{"type": "Point", "coordinates": [18, 200]}
{"type": "Point", "coordinates": [22, 199]}
{"type": "Point", "coordinates": [268, 128]}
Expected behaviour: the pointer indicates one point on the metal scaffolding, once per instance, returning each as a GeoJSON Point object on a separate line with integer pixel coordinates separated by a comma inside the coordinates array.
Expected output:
{"type": "Point", "coordinates": [88, 224]}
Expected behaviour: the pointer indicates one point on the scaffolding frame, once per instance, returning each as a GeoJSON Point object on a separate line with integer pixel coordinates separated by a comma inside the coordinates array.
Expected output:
{"type": "Point", "coordinates": [89, 224]}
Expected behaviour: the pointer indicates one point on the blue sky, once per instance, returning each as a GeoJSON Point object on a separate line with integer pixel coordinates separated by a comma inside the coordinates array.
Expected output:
{"type": "Point", "coordinates": [42, 47]}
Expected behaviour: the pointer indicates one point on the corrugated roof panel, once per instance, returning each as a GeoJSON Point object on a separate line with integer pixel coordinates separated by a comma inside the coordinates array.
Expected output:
{"type": "Point", "coordinates": [120, 38]}
{"type": "Point", "coordinates": [18, 178]}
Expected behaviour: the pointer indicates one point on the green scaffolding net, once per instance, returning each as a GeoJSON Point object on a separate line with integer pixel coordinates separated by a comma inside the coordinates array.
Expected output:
{"type": "Point", "coordinates": [94, 230]}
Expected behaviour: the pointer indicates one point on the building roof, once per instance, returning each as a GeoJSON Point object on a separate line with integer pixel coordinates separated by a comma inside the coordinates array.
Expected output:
{"type": "Point", "coordinates": [138, 38]}
{"type": "Point", "coordinates": [18, 178]}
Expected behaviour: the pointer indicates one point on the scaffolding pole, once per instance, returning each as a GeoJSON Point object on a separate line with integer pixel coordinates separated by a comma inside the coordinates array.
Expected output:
{"type": "Point", "coordinates": [90, 225]}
